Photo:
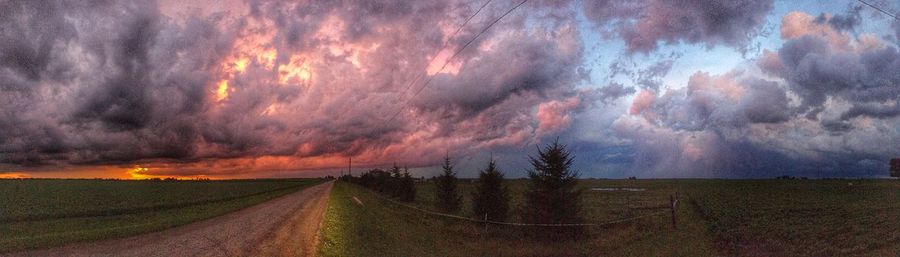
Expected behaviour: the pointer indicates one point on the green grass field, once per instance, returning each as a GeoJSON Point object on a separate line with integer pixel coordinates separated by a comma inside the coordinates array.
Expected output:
{"type": "Point", "coordinates": [44, 213]}
{"type": "Point", "coordinates": [801, 217]}
{"type": "Point", "coordinates": [716, 218]}
{"type": "Point", "coordinates": [380, 228]}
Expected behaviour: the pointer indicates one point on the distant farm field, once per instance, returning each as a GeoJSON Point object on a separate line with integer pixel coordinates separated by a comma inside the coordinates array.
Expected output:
{"type": "Point", "coordinates": [801, 217]}
{"type": "Point", "coordinates": [715, 218]}
{"type": "Point", "coordinates": [43, 213]}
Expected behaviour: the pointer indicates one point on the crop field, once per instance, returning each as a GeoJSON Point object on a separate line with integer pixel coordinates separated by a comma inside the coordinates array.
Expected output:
{"type": "Point", "coordinates": [715, 218]}
{"type": "Point", "coordinates": [800, 217]}
{"type": "Point", "coordinates": [44, 213]}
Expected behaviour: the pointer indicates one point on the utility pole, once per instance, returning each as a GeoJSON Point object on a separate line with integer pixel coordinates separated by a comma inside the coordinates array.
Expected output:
{"type": "Point", "coordinates": [350, 167]}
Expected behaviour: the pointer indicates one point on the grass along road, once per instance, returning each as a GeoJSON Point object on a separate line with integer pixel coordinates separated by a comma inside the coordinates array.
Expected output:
{"type": "Point", "coordinates": [42, 232]}
{"type": "Point", "coordinates": [43, 199]}
{"type": "Point", "coordinates": [716, 218]}
{"type": "Point", "coordinates": [380, 228]}
{"type": "Point", "coordinates": [285, 226]}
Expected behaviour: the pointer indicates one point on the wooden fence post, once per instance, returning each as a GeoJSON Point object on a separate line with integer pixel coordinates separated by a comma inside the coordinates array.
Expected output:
{"type": "Point", "coordinates": [672, 202]}
{"type": "Point", "coordinates": [484, 234]}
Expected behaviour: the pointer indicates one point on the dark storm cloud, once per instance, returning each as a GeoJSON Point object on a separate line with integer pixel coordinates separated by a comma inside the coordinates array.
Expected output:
{"type": "Point", "coordinates": [644, 25]}
{"type": "Point", "coordinates": [873, 110]}
{"type": "Point", "coordinates": [829, 108]}
{"type": "Point", "coordinates": [764, 102]}
{"type": "Point", "coordinates": [102, 82]}
{"type": "Point", "coordinates": [717, 102]}
{"type": "Point", "coordinates": [537, 64]}
{"type": "Point", "coordinates": [842, 22]}
{"type": "Point", "coordinates": [896, 26]}
{"type": "Point", "coordinates": [284, 86]}
{"type": "Point", "coordinates": [817, 70]}
{"type": "Point", "coordinates": [121, 83]}
{"type": "Point", "coordinates": [30, 32]}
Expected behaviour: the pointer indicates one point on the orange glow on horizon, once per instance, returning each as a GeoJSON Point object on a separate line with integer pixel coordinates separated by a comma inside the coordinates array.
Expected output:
{"type": "Point", "coordinates": [136, 172]}
{"type": "Point", "coordinates": [13, 175]}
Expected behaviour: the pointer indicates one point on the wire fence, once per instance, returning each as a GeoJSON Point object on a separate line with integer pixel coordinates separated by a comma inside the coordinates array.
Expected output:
{"type": "Point", "coordinates": [430, 212]}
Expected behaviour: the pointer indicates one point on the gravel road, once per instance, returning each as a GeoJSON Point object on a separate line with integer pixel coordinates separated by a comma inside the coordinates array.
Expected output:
{"type": "Point", "coordinates": [284, 226]}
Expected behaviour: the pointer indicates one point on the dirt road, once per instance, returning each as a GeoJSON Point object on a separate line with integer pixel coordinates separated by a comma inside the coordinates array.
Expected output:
{"type": "Point", "coordinates": [285, 226]}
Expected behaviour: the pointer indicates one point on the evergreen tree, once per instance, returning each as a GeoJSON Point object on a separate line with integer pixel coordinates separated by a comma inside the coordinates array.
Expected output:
{"type": "Point", "coordinates": [491, 198]}
{"type": "Point", "coordinates": [407, 187]}
{"type": "Point", "coordinates": [395, 185]}
{"type": "Point", "coordinates": [552, 196]}
{"type": "Point", "coordinates": [447, 196]}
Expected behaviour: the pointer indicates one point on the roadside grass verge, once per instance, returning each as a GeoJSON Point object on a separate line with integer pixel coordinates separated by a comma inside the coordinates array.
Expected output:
{"type": "Point", "coordinates": [381, 228]}
{"type": "Point", "coordinates": [99, 209]}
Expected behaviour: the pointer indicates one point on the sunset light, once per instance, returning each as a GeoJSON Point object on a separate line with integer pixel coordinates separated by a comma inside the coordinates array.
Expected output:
{"type": "Point", "coordinates": [138, 172]}
{"type": "Point", "coordinates": [297, 70]}
{"type": "Point", "coordinates": [222, 90]}
{"type": "Point", "coordinates": [648, 89]}
{"type": "Point", "coordinates": [449, 128]}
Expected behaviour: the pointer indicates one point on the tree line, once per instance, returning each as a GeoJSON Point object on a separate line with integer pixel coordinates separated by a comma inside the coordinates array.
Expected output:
{"type": "Point", "coordinates": [392, 182]}
{"type": "Point", "coordinates": [552, 196]}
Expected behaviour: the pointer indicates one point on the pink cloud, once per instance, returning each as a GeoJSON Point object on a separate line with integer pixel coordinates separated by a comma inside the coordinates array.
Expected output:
{"type": "Point", "coordinates": [643, 101]}
{"type": "Point", "coordinates": [797, 24]}
{"type": "Point", "coordinates": [554, 116]}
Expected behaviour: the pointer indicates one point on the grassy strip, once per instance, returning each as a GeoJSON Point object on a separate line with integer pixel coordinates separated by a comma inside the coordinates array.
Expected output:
{"type": "Point", "coordinates": [141, 209]}
{"type": "Point", "coordinates": [46, 199]}
{"type": "Point", "coordinates": [379, 228]}
{"type": "Point", "coordinates": [54, 232]}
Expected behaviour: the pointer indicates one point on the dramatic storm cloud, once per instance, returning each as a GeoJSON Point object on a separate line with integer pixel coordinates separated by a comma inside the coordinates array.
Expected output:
{"type": "Point", "coordinates": [284, 88]}
{"type": "Point", "coordinates": [826, 101]}
{"type": "Point", "coordinates": [643, 25]}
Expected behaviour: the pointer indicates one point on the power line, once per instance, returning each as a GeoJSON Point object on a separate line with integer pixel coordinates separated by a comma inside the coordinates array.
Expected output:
{"type": "Point", "coordinates": [428, 81]}
{"type": "Point", "coordinates": [880, 10]}
{"type": "Point", "coordinates": [444, 46]}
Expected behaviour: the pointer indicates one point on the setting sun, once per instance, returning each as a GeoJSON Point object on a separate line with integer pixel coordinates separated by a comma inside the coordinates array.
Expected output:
{"type": "Point", "coordinates": [138, 172]}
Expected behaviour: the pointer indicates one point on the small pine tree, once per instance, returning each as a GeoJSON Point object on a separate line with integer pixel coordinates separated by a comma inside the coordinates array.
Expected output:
{"type": "Point", "coordinates": [491, 198]}
{"type": "Point", "coordinates": [407, 187]}
{"type": "Point", "coordinates": [552, 196]}
{"type": "Point", "coordinates": [395, 186]}
{"type": "Point", "coordinates": [895, 167]}
{"type": "Point", "coordinates": [447, 196]}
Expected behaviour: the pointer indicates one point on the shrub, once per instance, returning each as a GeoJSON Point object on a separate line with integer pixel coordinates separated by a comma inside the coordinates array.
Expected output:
{"type": "Point", "coordinates": [393, 182]}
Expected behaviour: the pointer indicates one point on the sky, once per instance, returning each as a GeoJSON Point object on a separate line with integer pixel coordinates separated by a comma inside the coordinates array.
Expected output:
{"type": "Point", "coordinates": [265, 88]}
